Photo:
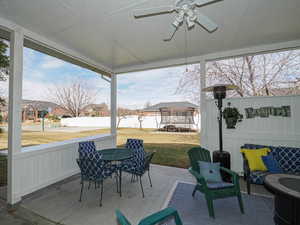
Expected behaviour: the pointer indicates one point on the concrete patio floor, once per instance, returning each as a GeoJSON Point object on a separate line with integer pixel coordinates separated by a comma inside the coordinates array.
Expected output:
{"type": "Point", "coordinates": [59, 203]}
{"type": "Point", "coordinates": [20, 216]}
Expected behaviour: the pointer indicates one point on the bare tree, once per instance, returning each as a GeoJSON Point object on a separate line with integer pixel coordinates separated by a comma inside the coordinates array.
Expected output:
{"type": "Point", "coordinates": [148, 104]}
{"type": "Point", "coordinates": [156, 120]}
{"type": "Point", "coordinates": [73, 98]}
{"type": "Point", "coordinates": [189, 84]}
{"type": "Point", "coordinates": [253, 75]}
{"type": "Point", "coordinates": [141, 117]}
{"type": "Point", "coordinates": [123, 114]}
{"type": "Point", "coordinates": [4, 67]}
{"type": "Point", "coordinates": [4, 61]}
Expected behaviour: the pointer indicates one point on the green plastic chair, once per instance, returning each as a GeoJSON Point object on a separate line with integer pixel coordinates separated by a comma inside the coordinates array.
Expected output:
{"type": "Point", "coordinates": [200, 154]}
{"type": "Point", "coordinates": [153, 219]}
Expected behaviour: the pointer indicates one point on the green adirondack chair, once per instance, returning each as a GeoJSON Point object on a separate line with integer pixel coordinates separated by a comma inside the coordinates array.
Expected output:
{"type": "Point", "coordinates": [210, 191]}
{"type": "Point", "coordinates": [153, 219]}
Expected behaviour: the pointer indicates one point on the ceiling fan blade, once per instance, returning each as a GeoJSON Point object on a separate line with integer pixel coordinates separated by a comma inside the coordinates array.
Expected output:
{"type": "Point", "coordinates": [200, 3]}
{"type": "Point", "coordinates": [171, 32]}
{"type": "Point", "coordinates": [207, 23]}
{"type": "Point", "coordinates": [139, 13]}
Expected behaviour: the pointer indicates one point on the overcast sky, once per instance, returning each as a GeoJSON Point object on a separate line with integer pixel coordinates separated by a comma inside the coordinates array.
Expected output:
{"type": "Point", "coordinates": [43, 72]}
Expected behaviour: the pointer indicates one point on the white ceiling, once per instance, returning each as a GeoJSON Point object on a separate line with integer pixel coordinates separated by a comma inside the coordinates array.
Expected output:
{"type": "Point", "coordinates": [106, 31]}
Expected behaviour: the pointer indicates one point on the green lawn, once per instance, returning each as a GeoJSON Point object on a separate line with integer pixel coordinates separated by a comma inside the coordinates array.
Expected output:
{"type": "Point", "coordinates": [170, 148]}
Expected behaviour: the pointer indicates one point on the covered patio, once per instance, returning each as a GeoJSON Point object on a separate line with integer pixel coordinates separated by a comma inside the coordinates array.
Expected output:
{"type": "Point", "coordinates": [106, 38]}
{"type": "Point", "coordinates": [58, 203]}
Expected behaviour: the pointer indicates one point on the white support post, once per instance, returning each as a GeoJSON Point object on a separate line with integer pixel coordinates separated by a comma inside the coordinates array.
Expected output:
{"type": "Point", "coordinates": [14, 112]}
{"type": "Point", "coordinates": [113, 107]}
{"type": "Point", "coordinates": [203, 101]}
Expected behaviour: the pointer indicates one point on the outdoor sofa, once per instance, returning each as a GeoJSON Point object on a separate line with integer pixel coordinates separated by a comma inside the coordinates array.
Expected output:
{"type": "Point", "coordinates": [288, 159]}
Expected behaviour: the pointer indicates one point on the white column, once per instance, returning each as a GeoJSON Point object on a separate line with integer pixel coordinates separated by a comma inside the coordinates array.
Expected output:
{"type": "Point", "coordinates": [113, 107]}
{"type": "Point", "coordinates": [14, 112]}
{"type": "Point", "coordinates": [202, 102]}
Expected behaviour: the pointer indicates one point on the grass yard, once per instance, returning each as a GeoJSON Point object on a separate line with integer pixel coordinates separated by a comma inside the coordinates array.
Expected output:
{"type": "Point", "coordinates": [170, 148]}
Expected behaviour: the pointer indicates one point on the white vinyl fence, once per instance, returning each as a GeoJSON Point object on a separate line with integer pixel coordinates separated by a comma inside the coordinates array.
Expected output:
{"type": "Point", "coordinates": [274, 130]}
{"type": "Point", "coordinates": [104, 122]}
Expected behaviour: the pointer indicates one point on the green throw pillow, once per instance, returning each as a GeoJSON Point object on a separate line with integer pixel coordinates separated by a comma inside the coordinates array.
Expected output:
{"type": "Point", "coordinates": [210, 171]}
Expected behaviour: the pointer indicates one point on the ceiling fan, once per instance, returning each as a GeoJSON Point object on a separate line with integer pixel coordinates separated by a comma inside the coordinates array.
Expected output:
{"type": "Point", "coordinates": [186, 11]}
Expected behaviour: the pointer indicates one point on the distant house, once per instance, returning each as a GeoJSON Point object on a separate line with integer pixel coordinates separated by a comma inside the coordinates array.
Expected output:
{"type": "Point", "coordinates": [60, 112]}
{"type": "Point", "coordinates": [96, 110]}
{"type": "Point", "coordinates": [174, 114]}
{"type": "Point", "coordinates": [33, 110]}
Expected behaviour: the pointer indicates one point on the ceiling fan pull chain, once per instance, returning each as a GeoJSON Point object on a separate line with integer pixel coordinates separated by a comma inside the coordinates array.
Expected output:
{"type": "Point", "coordinates": [186, 49]}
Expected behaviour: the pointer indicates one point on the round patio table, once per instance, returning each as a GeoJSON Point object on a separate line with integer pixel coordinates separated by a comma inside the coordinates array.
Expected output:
{"type": "Point", "coordinates": [117, 154]}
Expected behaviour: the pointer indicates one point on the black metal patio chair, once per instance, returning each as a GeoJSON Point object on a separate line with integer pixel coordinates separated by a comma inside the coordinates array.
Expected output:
{"type": "Point", "coordinates": [94, 169]}
{"type": "Point", "coordinates": [139, 167]}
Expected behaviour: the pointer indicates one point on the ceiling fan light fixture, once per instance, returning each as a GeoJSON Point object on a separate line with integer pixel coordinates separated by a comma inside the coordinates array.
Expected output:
{"type": "Point", "coordinates": [186, 10]}
{"type": "Point", "coordinates": [190, 23]}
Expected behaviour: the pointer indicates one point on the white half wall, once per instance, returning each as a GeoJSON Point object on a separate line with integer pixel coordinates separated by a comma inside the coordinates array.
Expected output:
{"type": "Point", "coordinates": [284, 131]}
{"type": "Point", "coordinates": [42, 165]}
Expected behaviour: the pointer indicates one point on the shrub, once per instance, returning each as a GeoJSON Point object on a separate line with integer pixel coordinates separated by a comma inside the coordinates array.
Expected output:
{"type": "Point", "coordinates": [54, 118]}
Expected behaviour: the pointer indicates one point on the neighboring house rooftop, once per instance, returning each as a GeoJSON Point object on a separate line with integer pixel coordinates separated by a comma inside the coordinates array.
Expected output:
{"type": "Point", "coordinates": [39, 105]}
{"type": "Point", "coordinates": [157, 107]}
{"type": "Point", "coordinates": [36, 104]}
{"type": "Point", "coordinates": [285, 91]}
{"type": "Point", "coordinates": [96, 107]}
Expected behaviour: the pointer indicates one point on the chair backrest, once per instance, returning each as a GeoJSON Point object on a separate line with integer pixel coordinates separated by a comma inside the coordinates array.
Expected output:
{"type": "Point", "coordinates": [198, 154]}
{"type": "Point", "coordinates": [134, 143]}
{"type": "Point", "coordinates": [85, 148]}
{"type": "Point", "coordinates": [91, 167]}
{"type": "Point", "coordinates": [121, 219]}
{"type": "Point", "coordinates": [139, 154]}
{"type": "Point", "coordinates": [159, 217]}
{"type": "Point", "coordinates": [148, 159]}
{"type": "Point", "coordinates": [139, 158]}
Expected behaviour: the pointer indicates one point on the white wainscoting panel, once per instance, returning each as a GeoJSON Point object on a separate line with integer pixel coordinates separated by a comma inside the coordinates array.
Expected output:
{"type": "Point", "coordinates": [42, 165]}
{"type": "Point", "coordinates": [284, 131]}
